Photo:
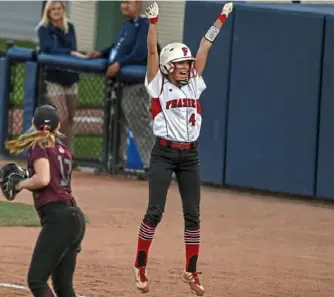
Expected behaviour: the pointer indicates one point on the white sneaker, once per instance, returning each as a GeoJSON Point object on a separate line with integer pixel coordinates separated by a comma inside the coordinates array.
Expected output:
{"type": "Point", "coordinates": [141, 279]}
{"type": "Point", "coordinates": [192, 279]}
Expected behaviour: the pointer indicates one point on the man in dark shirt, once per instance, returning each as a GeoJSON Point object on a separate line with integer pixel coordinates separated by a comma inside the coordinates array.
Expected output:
{"type": "Point", "coordinates": [130, 48]}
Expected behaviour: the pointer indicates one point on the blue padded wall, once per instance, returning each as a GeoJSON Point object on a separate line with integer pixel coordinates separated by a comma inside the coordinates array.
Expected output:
{"type": "Point", "coordinates": [199, 16]}
{"type": "Point", "coordinates": [325, 176]}
{"type": "Point", "coordinates": [272, 122]}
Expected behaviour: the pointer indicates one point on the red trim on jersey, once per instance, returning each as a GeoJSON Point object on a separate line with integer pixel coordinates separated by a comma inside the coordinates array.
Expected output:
{"type": "Point", "coordinates": [199, 108]}
{"type": "Point", "coordinates": [156, 107]}
{"type": "Point", "coordinates": [155, 102]}
{"type": "Point", "coordinates": [163, 82]}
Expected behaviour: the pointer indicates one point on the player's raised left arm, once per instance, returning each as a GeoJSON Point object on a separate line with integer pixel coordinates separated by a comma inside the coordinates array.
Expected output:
{"type": "Point", "coordinates": [209, 38]}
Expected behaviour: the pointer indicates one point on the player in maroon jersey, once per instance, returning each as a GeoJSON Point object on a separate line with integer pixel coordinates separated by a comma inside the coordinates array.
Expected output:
{"type": "Point", "coordinates": [63, 223]}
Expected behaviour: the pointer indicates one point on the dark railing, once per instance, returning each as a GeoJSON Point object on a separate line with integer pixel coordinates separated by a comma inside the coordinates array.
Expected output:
{"type": "Point", "coordinates": [108, 112]}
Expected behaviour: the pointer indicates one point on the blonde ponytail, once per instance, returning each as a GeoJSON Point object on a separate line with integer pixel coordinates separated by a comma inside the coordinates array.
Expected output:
{"type": "Point", "coordinates": [44, 138]}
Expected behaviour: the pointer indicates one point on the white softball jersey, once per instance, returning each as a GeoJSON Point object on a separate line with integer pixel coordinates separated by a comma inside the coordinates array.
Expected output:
{"type": "Point", "coordinates": [176, 111]}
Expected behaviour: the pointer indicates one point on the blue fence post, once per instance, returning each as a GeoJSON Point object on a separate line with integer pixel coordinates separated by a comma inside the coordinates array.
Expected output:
{"type": "Point", "coordinates": [133, 160]}
{"type": "Point", "coordinates": [4, 100]}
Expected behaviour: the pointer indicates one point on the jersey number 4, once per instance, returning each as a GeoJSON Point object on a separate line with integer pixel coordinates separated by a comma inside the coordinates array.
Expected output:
{"type": "Point", "coordinates": [192, 120]}
{"type": "Point", "coordinates": [65, 171]}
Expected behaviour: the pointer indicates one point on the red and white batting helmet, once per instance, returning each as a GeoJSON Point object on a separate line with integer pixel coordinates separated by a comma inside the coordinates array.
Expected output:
{"type": "Point", "coordinates": [174, 52]}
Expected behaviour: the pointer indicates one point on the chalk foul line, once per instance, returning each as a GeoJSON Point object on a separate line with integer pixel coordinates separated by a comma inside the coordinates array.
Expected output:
{"type": "Point", "coordinates": [23, 288]}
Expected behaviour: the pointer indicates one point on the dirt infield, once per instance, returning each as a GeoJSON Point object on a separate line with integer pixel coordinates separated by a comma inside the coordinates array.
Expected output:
{"type": "Point", "coordinates": [251, 246]}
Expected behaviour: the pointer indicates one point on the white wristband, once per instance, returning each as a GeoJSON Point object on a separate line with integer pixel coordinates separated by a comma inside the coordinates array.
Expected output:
{"type": "Point", "coordinates": [212, 34]}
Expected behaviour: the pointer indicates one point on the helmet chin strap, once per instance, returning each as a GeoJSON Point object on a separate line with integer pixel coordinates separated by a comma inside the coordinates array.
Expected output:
{"type": "Point", "coordinates": [183, 82]}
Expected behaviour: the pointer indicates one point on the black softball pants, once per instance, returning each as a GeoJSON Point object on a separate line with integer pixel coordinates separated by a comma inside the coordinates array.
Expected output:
{"type": "Point", "coordinates": [185, 164]}
{"type": "Point", "coordinates": [56, 250]}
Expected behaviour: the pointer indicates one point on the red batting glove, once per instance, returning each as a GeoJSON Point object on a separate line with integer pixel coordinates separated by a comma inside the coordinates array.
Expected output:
{"type": "Point", "coordinates": [154, 20]}
{"type": "Point", "coordinates": [222, 18]}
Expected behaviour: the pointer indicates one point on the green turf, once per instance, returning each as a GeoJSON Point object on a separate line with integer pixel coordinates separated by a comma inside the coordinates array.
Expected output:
{"type": "Point", "coordinates": [18, 214]}
{"type": "Point", "coordinates": [15, 214]}
{"type": "Point", "coordinates": [88, 146]}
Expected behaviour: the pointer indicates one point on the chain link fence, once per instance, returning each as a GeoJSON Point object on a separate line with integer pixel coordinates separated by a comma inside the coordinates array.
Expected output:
{"type": "Point", "coordinates": [15, 113]}
{"type": "Point", "coordinates": [111, 121]}
{"type": "Point", "coordinates": [81, 106]}
{"type": "Point", "coordinates": [134, 139]}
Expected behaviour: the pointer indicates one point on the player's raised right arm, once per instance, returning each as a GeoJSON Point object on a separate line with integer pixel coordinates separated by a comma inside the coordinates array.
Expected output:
{"type": "Point", "coordinates": [152, 13]}
{"type": "Point", "coordinates": [209, 38]}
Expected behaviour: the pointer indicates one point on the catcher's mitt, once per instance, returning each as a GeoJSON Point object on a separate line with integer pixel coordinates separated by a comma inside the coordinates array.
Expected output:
{"type": "Point", "coordinates": [10, 176]}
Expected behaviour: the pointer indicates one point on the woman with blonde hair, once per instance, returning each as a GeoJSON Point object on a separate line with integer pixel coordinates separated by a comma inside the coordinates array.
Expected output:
{"type": "Point", "coordinates": [63, 223]}
{"type": "Point", "coordinates": [57, 36]}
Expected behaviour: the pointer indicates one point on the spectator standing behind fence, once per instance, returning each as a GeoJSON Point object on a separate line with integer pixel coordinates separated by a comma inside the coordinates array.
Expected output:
{"type": "Point", "coordinates": [129, 48]}
{"type": "Point", "coordinates": [57, 36]}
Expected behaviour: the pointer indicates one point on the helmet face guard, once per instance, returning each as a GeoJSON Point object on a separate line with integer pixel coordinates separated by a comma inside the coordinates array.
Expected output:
{"type": "Point", "coordinates": [170, 59]}
{"type": "Point", "coordinates": [182, 73]}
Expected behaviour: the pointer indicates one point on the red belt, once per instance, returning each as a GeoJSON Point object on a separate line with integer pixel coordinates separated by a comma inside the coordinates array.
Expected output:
{"type": "Point", "coordinates": [178, 145]}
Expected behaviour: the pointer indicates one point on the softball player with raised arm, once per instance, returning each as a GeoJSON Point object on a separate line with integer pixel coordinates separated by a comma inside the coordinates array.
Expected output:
{"type": "Point", "coordinates": [175, 84]}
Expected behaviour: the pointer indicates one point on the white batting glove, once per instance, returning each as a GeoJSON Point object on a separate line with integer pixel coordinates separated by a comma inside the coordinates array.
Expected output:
{"type": "Point", "coordinates": [152, 13]}
{"type": "Point", "coordinates": [227, 9]}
